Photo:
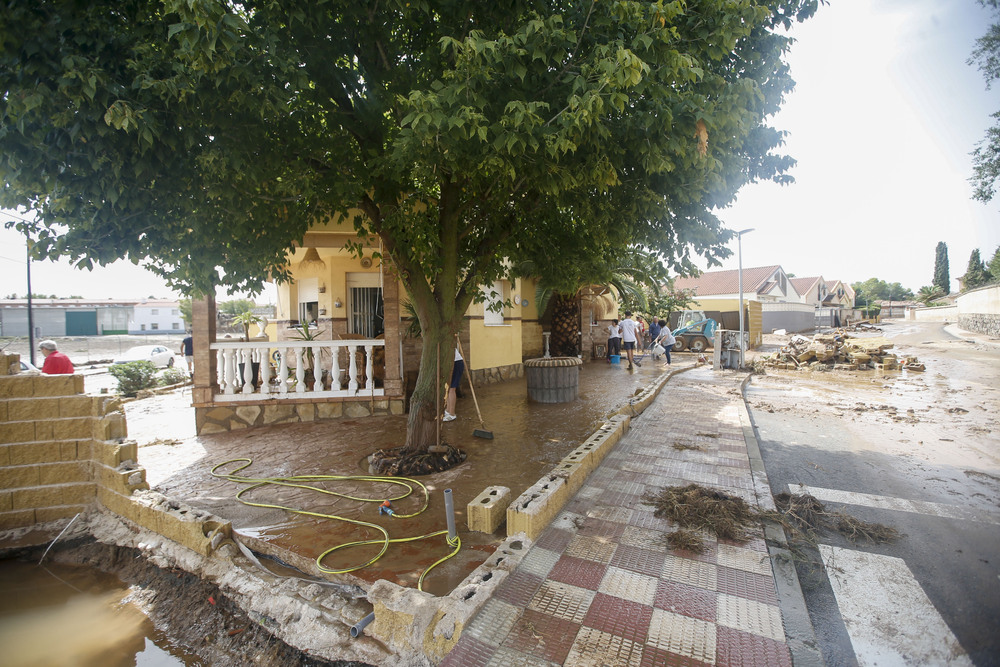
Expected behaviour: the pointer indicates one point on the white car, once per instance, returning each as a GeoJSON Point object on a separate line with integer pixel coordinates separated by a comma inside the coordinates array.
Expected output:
{"type": "Point", "coordinates": [27, 367]}
{"type": "Point", "coordinates": [157, 354]}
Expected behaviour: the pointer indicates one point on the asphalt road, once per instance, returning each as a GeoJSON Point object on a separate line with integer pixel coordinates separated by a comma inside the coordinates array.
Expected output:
{"type": "Point", "coordinates": [918, 452]}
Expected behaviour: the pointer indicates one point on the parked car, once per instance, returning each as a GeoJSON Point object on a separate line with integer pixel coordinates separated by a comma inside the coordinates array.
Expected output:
{"type": "Point", "coordinates": [157, 354]}
{"type": "Point", "coordinates": [28, 367]}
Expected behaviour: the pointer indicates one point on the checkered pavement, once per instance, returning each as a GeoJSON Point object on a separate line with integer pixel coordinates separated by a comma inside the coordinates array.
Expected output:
{"type": "Point", "coordinates": [600, 587]}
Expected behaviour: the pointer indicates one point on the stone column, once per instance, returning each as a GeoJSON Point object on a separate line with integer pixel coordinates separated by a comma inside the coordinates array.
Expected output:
{"type": "Point", "coordinates": [203, 333]}
{"type": "Point", "coordinates": [393, 382]}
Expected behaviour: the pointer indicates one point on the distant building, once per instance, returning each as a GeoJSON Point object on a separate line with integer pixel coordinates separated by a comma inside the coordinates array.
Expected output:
{"type": "Point", "coordinates": [149, 317]}
{"type": "Point", "coordinates": [89, 317]}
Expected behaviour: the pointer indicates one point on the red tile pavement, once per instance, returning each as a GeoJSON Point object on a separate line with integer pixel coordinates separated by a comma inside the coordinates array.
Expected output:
{"type": "Point", "coordinates": [612, 592]}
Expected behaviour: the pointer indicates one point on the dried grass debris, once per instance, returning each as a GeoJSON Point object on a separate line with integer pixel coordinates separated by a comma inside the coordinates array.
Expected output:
{"type": "Point", "coordinates": [683, 539]}
{"type": "Point", "coordinates": [700, 508]}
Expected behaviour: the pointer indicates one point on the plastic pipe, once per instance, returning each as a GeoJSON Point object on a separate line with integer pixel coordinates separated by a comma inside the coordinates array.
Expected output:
{"type": "Point", "coordinates": [449, 508]}
{"type": "Point", "coordinates": [358, 627]}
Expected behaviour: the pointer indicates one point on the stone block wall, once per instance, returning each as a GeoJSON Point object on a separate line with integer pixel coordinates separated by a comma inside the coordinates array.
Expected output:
{"type": "Point", "coordinates": [984, 323]}
{"type": "Point", "coordinates": [219, 418]}
{"type": "Point", "coordinates": [58, 446]}
{"type": "Point", "coordinates": [484, 376]}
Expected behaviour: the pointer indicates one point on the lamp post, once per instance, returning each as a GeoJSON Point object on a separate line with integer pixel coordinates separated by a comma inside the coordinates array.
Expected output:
{"type": "Point", "coordinates": [739, 246]}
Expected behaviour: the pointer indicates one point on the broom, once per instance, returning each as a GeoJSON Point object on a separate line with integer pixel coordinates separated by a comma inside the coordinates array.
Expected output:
{"type": "Point", "coordinates": [478, 433]}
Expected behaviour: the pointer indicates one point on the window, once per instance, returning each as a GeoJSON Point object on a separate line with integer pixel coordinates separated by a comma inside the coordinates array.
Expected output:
{"type": "Point", "coordinates": [175, 312]}
{"type": "Point", "coordinates": [154, 326]}
{"type": "Point", "coordinates": [308, 299]}
{"type": "Point", "coordinates": [494, 308]}
{"type": "Point", "coordinates": [154, 311]}
{"type": "Point", "coordinates": [142, 327]}
{"type": "Point", "coordinates": [175, 325]}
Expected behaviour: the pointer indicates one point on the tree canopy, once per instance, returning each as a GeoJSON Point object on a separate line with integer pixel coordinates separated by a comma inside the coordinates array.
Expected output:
{"type": "Point", "coordinates": [986, 156]}
{"type": "Point", "coordinates": [875, 289]}
{"type": "Point", "coordinates": [206, 136]}
{"type": "Point", "coordinates": [976, 274]}
{"type": "Point", "coordinates": [942, 274]}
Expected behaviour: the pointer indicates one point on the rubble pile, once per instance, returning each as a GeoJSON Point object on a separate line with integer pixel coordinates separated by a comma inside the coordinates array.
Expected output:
{"type": "Point", "coordinates": [840, 351]}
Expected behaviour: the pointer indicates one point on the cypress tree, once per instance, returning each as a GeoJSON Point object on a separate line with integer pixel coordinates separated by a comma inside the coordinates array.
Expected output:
{"type": "Point", "coordinates": [975, 274]}
{"type": "Point", "coordinates": [942, 277]}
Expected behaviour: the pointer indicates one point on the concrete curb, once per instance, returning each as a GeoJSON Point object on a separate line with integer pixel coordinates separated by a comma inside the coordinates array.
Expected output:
{"type": "Point", "coordinates": [799, 632]}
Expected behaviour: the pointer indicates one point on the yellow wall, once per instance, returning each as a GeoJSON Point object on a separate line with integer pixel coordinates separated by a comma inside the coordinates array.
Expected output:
{"type": "Point", "coordinates": [721, 305]}
{"type": "Point", "coordinates": [496, 345]}
{"type": "Point", "coordinates": [333, 278]}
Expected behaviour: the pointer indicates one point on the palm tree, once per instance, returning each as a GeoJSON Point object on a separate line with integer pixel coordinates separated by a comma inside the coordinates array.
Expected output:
{"type": "Point", "coordinates": [629, 275]}
{"type": "Point", "coordinates": [929, 294]}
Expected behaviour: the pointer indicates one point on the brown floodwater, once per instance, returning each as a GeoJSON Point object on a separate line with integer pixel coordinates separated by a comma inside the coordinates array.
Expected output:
{"type": "Point", "coordinates": [529, 439]}
{"type": "Point", "coordinates": [68, 615]}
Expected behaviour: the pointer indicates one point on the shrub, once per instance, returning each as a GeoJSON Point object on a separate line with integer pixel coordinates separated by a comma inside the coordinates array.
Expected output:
{"type": "Point", "coordinates": [134, 376]}
{"type": "Point", "coordinates": [173, 376]}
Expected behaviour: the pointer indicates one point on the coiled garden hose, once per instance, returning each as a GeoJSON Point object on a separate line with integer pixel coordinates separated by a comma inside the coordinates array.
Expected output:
{"type": "Point", "coordinates": [306, 481]}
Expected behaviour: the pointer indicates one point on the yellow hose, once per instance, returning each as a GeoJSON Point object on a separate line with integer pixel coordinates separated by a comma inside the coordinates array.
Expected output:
{"type": "Point", "coordinates": [303, 482]}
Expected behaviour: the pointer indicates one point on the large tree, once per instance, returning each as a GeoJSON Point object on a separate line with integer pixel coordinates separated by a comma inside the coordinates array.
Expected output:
{"type": "Point", "coordinates": [875, 289]}
{"type": "Point", "coordinates": [942, 275]}
{"type": "Point", "coordinates": [205, 136]}
{"type": "Point", "coordinates": [986, 156]}
{"type": "Point", "coordinates": [976, 274]}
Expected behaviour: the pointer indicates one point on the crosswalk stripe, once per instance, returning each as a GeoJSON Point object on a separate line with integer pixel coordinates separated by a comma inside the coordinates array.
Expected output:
{"type": "Point", "coordinates": [897, 504]}
{"type": "Point", "coordinates": [888, 616]}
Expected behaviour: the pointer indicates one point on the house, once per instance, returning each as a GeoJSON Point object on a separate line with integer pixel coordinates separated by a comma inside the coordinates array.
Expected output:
{"type": "Point", "coordinates": [839, 295]}
{"type": "Point", "coordinates": [344, 313]}
{"type": "Point", "coordinates": [769, 296]}
{"type": "Point", "coordinates": [812, 290]}
{"type": "Point", "coordinates": [156, 316]}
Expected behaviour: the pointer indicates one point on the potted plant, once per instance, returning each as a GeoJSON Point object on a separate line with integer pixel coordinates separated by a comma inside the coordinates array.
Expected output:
{"type": "Point", "coordinates": [303, 332]}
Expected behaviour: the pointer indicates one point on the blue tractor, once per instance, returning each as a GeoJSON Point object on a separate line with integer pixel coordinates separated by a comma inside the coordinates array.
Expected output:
{"type": "Point", "coordinates": [695, 331]}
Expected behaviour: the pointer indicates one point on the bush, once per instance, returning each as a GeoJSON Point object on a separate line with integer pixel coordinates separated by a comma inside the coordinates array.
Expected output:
{"type": "Point", "coordinates": [134, 376]}
{"type": "Point", "coordinates": [173, 376]}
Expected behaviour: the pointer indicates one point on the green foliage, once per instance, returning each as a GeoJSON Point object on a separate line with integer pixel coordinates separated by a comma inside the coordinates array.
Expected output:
{"type": "Point", "coordinates": [235, 307]}
{"type": "Point", "coordinates": [994, 265]}
{"type": "Point", "coordinates": [929, 294]}
{"type": "Point", "coordinates": [942, 276]}
{"type": "Point", "coordinates": [245, 319]}
{"type": "Point", "coordinates": [874, 289]}
{"type": "Point", "coordinates": [976, 274]}
{"type": "Point", "coordinates": [134, 376]}
{"type": "Point", "coordinates": [456, 135]}
{"type": "Point", "coordinates": [172, 376]}
{"type": "Point", "coordinates": [986, 156]}
{"type": "Point", "coordinates": [184, 305]}
{"type": "Point", "coordinates": [668, 301]}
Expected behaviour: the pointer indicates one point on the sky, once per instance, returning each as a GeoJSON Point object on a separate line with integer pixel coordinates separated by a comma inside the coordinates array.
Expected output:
{"type": "Point", "coordinates": [881, 122]}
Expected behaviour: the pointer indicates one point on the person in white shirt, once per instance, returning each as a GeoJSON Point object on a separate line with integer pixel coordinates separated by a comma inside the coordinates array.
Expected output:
{"type": "Point", "coordinates": [666, 339]}
{"type": "Point", "coordinates": [630, 330]}
{"type": "Point", "coordinates": [614, 339]}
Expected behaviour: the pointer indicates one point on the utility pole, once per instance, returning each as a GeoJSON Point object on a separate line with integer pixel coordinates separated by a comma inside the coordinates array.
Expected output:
{"type": "Point", "coordinates": [31, 318]}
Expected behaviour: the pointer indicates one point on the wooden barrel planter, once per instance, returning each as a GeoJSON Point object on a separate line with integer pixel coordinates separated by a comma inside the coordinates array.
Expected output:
{"type": "Point", "coordinates": [553, 380]}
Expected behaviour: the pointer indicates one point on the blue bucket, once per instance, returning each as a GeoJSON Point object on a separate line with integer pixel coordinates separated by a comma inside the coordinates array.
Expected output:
{"type": "Point", "coordinates": [615, 358]}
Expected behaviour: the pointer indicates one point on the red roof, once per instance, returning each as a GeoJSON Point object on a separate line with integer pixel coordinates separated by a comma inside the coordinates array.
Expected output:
{"type": "Point", "coordinates": [727, 282]}
{"type": "Point", "coordinates": [803, 285]}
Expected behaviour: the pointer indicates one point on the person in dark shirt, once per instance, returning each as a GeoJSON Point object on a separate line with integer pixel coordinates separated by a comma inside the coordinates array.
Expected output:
{"type": "Point", "coordinates": [56, 363]}
{"type": "Point", "coordinates": [187, 349]}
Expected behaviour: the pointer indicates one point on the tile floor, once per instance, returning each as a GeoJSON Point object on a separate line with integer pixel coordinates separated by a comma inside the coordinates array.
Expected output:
{"type": "Point", "coordinates": [600, 587]}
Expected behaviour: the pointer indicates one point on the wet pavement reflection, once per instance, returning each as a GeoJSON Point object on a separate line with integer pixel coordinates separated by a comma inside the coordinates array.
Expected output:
{"type": "Point", "coordinates": [529, 438]}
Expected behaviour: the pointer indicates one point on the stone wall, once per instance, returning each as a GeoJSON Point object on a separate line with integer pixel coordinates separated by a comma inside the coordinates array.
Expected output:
{"type": "Point", "coordinates": [979, 310]}
{"type": "Point", "coordinates": [984, 323]}
{"type": "Point", "coordinates": [484, 376]}
{"type": "Point", "coordinates": [231, 417]}
{"type": "Point", "coordinates": [59, 448]}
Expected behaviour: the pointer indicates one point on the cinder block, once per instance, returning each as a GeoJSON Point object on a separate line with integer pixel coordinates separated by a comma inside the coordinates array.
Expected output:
{"type": "Point", "coordinates": [19, 477]}
{"type": "Point", "coordinates": [5, 455]}
{"type": "Point", "coordinates": [488, 510]}
{"type": "Point", "coordinates": [45, 514]}
{"type": "Point", "coordinates": [15, 432]}
{"type": "Point", "coordinates": [77, 406]}
{"type": "Point", "coordinates": [14, 386]}
{"type": "Point", "coordinates": [109, 427]}
{"type": "Point", "coordinates": [72, 428]}
{"type": "Point", "coordinates": [17, 519]}
{"type": "Point", "coordinates": [32, 409]}
{"type": "Point", "coordinates": [38, 496]}
{"type": "Point", "coordinates": [574, 474]}
{"type": "Point", "coordinates": [74, 450]}
{"type": "Point", "coordinates": [535, 508]}
{"type": "Point", "coordinates": [43, 430]}
{"type": "Point", "coordinates": [36, 452]}
{"type": "Point", "coordinates": [55, 385]}
{"type": "Point", "coordinates": [3, 410]}
{"type": "Point", "coordinates": [6, 502]}
{"type": "Point", "coordinates": [63, 473]}
{"type": "Point", "coordinates": [121, 481]}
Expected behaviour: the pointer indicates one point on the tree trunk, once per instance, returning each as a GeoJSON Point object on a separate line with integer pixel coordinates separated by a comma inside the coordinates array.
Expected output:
{"type": "Point", "coordinates": [421, 424]}
{"type": "Point", "coordinates": [565, 340]}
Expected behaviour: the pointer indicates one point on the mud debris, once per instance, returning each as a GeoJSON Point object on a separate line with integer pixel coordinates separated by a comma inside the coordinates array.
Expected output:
{"type": "Point", "coordinates": [700, 508]}
{"type": "Point", "coordinates": [397, 463]}
{"type": "Point", "coordinates": [837, 351]}
{"type": "Point", "coordinates": [805, 516]}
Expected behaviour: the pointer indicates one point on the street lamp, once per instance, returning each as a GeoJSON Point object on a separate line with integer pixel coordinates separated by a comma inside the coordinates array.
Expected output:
{"type": "Point", "coordinates": [739, 246]}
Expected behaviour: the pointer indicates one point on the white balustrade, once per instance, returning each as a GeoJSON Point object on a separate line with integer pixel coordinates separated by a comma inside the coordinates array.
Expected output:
{"type": "Point", "coordinates": [294, 369]}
